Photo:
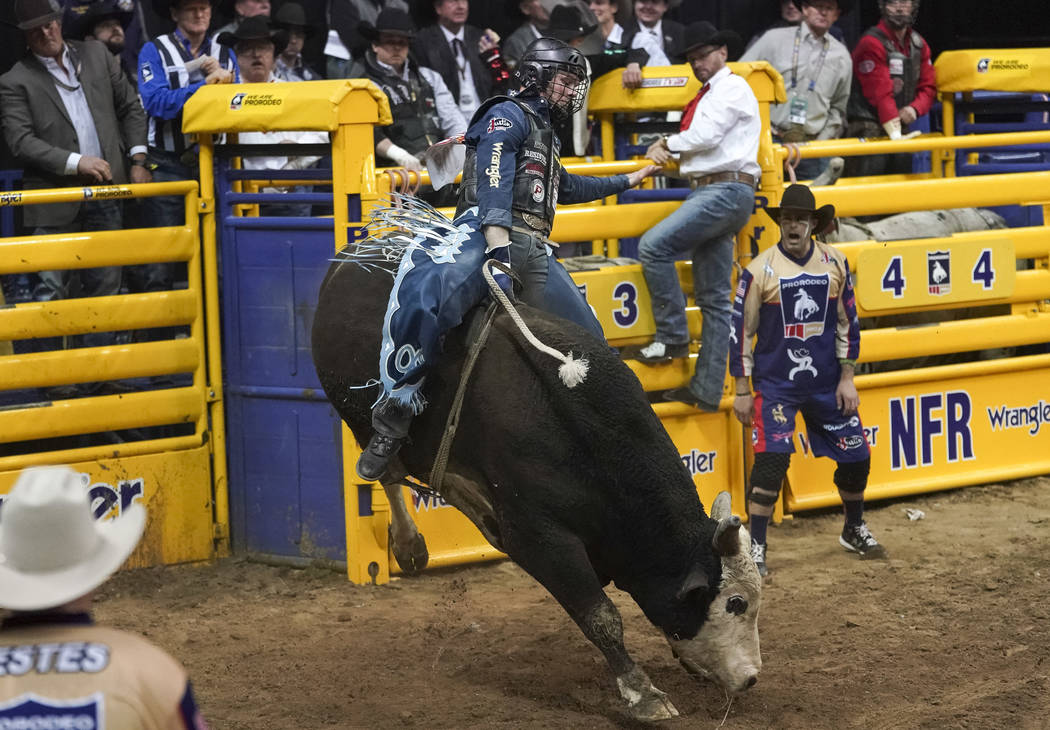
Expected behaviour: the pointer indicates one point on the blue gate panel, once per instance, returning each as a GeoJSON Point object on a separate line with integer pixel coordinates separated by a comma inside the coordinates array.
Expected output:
{"type": "Point", "coordinates": [284, 449]}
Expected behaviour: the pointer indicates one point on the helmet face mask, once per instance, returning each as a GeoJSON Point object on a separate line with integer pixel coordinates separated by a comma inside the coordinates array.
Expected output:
{"type": "Point", "coordinates": [555, 71]}
{"type": "Point", "coordinates": [899, 14]}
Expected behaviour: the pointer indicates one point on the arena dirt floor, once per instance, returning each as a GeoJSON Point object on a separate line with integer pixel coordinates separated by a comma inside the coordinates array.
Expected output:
{"type": "Point", "coordinates": [952, 632]}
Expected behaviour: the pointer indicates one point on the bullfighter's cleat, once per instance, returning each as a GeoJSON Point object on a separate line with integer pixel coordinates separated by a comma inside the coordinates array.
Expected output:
{"type": "Point", "coordinates": [858, 539]}
{"type": "Point", "coordinates": [376, 456]}
{"type": "Point", "coordinates": [659, 352]}
{"type": "Point", "coordinates": [758, 554]}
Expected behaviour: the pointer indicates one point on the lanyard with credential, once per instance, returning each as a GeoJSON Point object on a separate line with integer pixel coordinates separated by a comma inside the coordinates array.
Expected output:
{"type": "Point", "coordinates": [794, 61]}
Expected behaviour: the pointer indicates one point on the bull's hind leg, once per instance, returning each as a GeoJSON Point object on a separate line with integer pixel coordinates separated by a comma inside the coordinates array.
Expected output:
{"type": "Point", "coordinates": [406, 542]}
{"type": "Point", "coordinates": [562, 567]}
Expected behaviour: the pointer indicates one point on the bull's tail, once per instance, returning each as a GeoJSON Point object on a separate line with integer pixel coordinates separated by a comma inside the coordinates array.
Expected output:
{"type": "Point", "coordinates": [572, 371]}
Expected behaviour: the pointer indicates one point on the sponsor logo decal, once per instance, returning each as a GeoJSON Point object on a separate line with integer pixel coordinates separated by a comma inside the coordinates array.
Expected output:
{"type": "Point", "coordinates": [242, 100]}
{"type": "Point", "coordinates": [803, 363]}
{"type": "Point", "coordinates": [147, 72]}
{"type": "Point", "coordinates": [699, 462]}
{"type": "Point", "coordinates": [10, 199]}
{"type": "Point", "coordinates": [107, 500]}
{"type": "Point", "coordinates": [939, 272]}
{"type": "Point", "coordinates": [924, 424]}
{"type": "Point", "coordinates": [866, 66]}
{"type": "Point", "coordinates": [107, 193]}
{"type": "Point", "coordinates": [493, 169]}
{"type": "Point", "coordinates": [534, 155]}
{"type": "Point", "coordinates": [498, 123]}
{"type": "Point", "coordinates": [538, 190]}
{"type": "Point", "coordinates": [669, 82]}
{"type": "Point", "coordinates": [1032, 417]}
{"type": "Point", "coordinates": [983, 64]}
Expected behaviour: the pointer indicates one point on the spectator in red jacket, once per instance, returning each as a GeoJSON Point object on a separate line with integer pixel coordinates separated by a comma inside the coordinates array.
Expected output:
{"type": "Point", "coordinates": [895, 84]}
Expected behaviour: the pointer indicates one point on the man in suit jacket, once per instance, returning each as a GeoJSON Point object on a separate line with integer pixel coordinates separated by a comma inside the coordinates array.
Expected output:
{"type": "Point", "coordinates": [661, 37]}
{"type": "Point", "coordinates": [71, 118]}
{"type": "Point", "coordinates": [453, 49]}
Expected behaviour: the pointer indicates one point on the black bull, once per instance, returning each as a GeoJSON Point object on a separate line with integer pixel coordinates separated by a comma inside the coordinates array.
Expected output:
{"type": "Point", "coordinates": [578, 486]}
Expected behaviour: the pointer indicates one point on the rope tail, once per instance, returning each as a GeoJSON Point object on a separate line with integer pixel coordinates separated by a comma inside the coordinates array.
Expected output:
{"type": "Point", "coordinates": [572, 371]}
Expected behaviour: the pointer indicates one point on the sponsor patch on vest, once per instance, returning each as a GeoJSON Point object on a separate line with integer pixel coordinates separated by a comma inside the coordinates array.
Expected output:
{"type": "Point", "coordinates": [866, 66]}
{"type": "Point", "coordinates": [498, 123]}
{"type": "Point", "coordinates": [33, 711]}
{"type": "Point", "coordinates": [534, 168]}
{"type": "Point", "coordinates": [538, 191]}
{"type": "Point", "coordinates": [804, 305]}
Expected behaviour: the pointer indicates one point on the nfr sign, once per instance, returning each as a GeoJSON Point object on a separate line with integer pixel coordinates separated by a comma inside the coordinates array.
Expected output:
{"type": "Point", "coordinates": [921, 425]}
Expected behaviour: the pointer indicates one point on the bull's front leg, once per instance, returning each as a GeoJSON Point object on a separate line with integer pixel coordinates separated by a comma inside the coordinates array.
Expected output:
{"type": "Point", "coordinates": [564, 570]}
{"type": "Point", "coordinates": [406, 542]}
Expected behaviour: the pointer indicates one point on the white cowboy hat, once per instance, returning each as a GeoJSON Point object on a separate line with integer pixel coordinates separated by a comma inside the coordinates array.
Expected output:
{"type": "Point", "coordinates": [52, 550]}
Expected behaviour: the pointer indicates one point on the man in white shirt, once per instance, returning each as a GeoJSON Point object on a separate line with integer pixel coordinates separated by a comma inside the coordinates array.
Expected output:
{"type": "Point", "coordinates": [817, 71]}
{"type": "Point", "coordinates": [718, 152]}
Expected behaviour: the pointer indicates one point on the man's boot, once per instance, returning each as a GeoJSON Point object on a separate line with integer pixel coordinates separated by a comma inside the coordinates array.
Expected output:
{"type": "Point", "coordinates": [391, 420]}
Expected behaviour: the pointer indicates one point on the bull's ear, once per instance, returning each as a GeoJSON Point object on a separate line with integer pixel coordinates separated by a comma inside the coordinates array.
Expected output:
{"type": "Point", "coordinates": [727, 536]}
{"type": "Point", "coordinates": [696, 578]}
{"type": "Point", "coordinates": [722, 506]}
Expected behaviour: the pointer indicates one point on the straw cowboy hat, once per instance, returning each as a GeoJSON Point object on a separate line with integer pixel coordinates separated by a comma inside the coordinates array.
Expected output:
{"type": "Point", "coordinates": [31, 14]}
{"type": "Point", "coordinates": [800, 197]}
{"type": "Point", "coordinates": [52, 550]}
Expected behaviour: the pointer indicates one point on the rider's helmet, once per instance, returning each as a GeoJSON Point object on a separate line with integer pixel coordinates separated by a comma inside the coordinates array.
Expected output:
{"type": "Point", "coordinates": [556, 71]}
{"type": "Point", "coordinates": [899, 14]}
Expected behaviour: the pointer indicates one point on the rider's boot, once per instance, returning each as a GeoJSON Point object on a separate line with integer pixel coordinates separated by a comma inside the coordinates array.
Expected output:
{"type": "Point", "coordinates": [391, 420]}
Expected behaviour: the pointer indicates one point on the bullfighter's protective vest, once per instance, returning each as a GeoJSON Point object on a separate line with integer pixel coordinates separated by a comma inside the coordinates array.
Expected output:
{"type": "Point", "coordinates": [412, 106]}
{"type": "Point", "coordinates": [905, 82]}
{"type": "Point", "coordinates": [536, 172]}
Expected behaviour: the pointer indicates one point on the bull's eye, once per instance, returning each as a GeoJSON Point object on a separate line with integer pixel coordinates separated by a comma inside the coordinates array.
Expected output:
{"type": "Point", "coordinates": [736, 605]}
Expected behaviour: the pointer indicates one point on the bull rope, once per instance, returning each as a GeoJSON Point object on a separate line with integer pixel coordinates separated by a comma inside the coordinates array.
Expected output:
{"type": "Point", "coordinates": [572, 371]}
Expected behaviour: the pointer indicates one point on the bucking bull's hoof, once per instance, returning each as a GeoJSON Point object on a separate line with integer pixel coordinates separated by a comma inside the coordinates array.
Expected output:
{"type": "Point", "coordinates": [413, 558]}
{"type": "Point", "coordinates": [644, 701]}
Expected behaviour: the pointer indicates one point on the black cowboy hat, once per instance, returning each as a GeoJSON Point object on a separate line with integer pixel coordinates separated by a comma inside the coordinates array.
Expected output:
{"type": "Point", "coordinates": [702, 33]}
{"type": "Point", "coordinates": [291, 16]}
{"type": "Point", "coordinates": [255, 28]}
{"type": "Point", "coordinates": [82, 17]}
{"type": "Point", "coordinates": [162, 8]}
{"type": "Point", "coordinates": [844, 5]}
{"type": "Point", "coordinates": [800, 197]}
{"type": "Point", "coordinates": [31, 14]}
{"type": "Point", "coordinates": [567, 22]}
{"type": "Point", "coordinates": [395, 22]}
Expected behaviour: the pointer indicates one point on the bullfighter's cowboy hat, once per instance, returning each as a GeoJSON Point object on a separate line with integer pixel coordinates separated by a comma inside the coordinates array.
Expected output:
{"type": "Point", "coordinates": [800, 197]}
{"type": "Point", "coordinates": [702, 33]}
{"type": "Point", "coordinates": [844, 5]}
{"type": "Point", "coordinates": [255, 28]}
{"type": "Point", "coordinates": [31, 14]}
{"type": "Point", "coordinates": [52, 550]}
{"type": "Point", "coordinates": [390, 20]}
{"type": "Point", "coordinates": [82, 17]}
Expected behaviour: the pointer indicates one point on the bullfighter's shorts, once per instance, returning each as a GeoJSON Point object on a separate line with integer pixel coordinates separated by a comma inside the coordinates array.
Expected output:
{"type": "Point", "coordinates": [830, 433]}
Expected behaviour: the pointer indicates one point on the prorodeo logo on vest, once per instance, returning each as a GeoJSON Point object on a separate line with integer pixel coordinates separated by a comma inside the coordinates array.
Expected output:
{"type": "Point", "coordinates": [242, 101]}
{"type": "Point", "coordinates": [493, 169]}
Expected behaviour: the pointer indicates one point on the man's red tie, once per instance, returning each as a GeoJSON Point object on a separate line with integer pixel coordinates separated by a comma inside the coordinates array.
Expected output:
{"type": "Point", "coordinates": [690, 108]}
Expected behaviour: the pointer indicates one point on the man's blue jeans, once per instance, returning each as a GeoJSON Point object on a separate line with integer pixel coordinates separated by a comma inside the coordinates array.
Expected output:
{"type": "Point", "coordinates": [704, 227]}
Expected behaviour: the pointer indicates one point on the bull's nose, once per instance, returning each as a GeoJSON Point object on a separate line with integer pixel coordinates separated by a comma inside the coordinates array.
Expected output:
{"type": "Point", "coordinates": [751, 681]}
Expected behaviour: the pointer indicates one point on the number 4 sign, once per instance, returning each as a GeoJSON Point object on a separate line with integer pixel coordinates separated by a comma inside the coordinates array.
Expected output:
{"type": "Point", "coordinates": [905, 274]}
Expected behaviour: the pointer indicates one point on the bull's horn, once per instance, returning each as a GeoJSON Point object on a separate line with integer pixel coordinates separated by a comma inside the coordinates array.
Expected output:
{"type": "Point", "coordinates": [721, 508]}
{"type": "Point", "coordinates": [727, 536]}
